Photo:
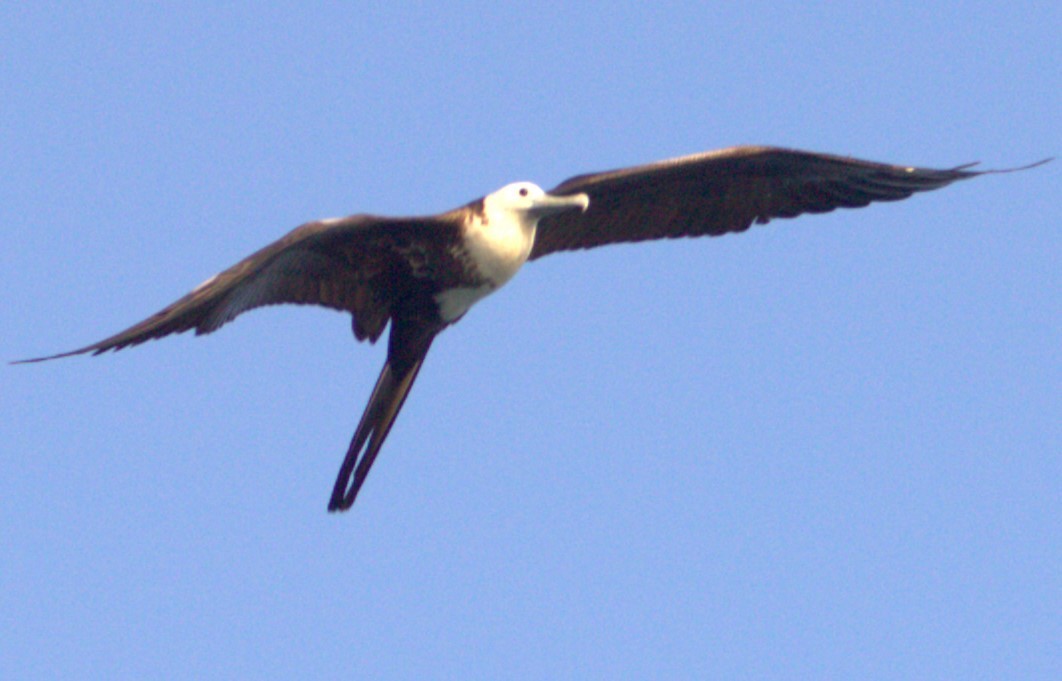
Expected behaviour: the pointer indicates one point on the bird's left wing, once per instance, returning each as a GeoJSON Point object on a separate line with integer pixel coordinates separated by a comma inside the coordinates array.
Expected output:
{"type": "Point", "coordinates": [725, 191]}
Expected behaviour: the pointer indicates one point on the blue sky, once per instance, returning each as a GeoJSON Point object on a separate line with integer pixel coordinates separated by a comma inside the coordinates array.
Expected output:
{"type": "Point", "coordinates": [825, 448]}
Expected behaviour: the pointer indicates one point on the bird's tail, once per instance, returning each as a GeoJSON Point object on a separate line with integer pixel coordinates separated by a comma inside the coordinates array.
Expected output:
{"type": "Point", "coordinates": [386, 401]}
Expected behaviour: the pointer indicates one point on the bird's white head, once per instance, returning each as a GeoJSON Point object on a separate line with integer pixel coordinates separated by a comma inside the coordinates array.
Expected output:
{"type": "Point", "coordinates": [498, 237]}
{"type": "Point", "coordinates": [529, 201]}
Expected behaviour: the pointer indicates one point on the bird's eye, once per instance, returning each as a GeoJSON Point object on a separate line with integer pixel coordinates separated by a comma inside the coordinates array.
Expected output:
{"type": "Point", "coordinates": [523, 191]}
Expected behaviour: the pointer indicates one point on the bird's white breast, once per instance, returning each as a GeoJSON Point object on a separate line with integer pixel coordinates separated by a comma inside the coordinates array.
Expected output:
{"type": "Point", "coordinates": [497, 248]}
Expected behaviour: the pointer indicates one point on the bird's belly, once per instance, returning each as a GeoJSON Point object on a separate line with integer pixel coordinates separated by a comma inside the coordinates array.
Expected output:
{"type": "Point", "coordinates": [455, 302]}
{"type": "Point", "coordinates": [491, 254]}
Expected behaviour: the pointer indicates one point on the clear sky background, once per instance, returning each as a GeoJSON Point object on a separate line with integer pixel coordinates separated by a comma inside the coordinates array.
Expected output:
{"type": "Point", "coordinates": [825, 448]}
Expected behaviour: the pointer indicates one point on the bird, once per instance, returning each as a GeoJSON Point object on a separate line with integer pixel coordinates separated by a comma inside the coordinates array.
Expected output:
{"type": "Point", "coordinates": [422, 274]}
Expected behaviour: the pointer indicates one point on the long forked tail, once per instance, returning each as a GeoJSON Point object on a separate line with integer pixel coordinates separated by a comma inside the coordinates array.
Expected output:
{"type": "Point", "coordinates": [386, 401]}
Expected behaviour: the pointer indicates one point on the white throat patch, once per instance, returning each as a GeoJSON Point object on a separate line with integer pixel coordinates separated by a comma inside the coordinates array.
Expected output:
{"type": "Point", "coordinates": [497, 249]}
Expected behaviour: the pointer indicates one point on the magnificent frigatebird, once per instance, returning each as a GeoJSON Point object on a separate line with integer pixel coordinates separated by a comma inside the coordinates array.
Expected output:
{"type": "Point", "coordinates": [424, 273]}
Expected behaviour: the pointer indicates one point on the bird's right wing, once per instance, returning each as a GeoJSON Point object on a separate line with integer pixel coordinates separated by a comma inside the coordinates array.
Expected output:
{"type": "Point", "coordinates": [349, 264]}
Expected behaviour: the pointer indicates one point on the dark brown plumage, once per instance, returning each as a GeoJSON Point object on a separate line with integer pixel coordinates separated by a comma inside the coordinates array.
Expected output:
{"type": "Point", "coordinates": [361, 264]}
{"type": "Point", "coordinates": [422, 274]}
{"type": "Point", "coordinates": [724, 191]}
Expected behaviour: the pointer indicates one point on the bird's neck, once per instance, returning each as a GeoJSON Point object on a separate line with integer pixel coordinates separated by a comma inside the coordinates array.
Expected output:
{"type": "Point", "coordinates": [499, 244]}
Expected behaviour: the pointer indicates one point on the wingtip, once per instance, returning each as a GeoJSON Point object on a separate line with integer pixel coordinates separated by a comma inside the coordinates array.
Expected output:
{"type": "Point", "coordinates": [34, 360]}
{"type": "Point", "coordinates": [95, 350]}
{"type": "Point", "coordinates": [1038, 163]}
{"type": "Point", "coordinates": [1000, 171]}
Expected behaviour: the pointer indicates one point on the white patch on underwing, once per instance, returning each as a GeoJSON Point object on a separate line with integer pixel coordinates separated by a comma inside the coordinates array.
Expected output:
{"type": "Point", "coordinates": [206, 283]}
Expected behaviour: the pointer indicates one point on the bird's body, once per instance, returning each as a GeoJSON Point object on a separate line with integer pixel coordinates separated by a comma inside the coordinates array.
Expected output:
{"type": "Point", "coordinates": [422, 274]}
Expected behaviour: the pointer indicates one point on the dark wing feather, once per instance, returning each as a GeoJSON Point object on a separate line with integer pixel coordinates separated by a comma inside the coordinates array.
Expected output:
{"type": "Point", "coordinates": [358, 264]}
{"type": "Point", "coordinates": [725, 191]}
